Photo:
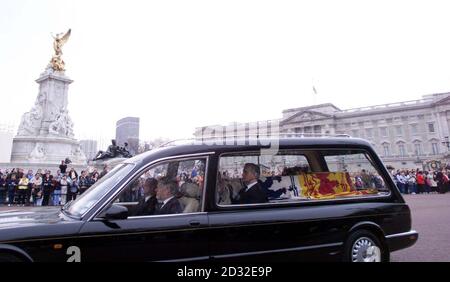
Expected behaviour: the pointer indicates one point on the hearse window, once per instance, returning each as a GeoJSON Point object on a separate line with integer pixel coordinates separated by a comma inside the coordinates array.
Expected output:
{"type": "Point", "coordinates": [289, 176]}
{"type": "Point", "coordinates": [359, 168]}
{"type": "Point", "coordinates": [102, 187]}
{"type": "Point", "coordinates": [168, 188]}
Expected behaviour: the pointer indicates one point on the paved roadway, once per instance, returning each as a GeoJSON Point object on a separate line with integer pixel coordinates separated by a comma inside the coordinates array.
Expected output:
{"type": "Point", "coordinates": [431, 218]}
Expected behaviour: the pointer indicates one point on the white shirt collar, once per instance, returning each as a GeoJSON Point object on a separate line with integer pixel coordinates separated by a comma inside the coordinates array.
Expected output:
{"type": "Point", "coordinates": [166, 200]}
{"type": "Point", "coordinates": [251, 185]}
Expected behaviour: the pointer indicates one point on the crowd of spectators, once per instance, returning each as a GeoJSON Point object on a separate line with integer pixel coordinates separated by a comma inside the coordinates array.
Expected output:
{"type": "Point", "coordinates": [416, 181]}
{"type": "Point", "coordinates": [44, 188]}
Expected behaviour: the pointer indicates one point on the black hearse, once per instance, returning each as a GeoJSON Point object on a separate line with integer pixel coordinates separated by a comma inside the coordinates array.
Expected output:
{"type": "Point", "coordinates": [323, 198]}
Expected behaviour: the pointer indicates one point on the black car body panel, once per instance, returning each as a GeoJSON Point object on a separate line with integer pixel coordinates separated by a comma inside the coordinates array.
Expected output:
{"type": "Point", "coordinates": [282, 231]}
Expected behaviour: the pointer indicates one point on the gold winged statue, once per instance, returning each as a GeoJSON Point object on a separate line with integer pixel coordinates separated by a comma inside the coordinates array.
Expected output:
{"type": "Point", "coordinates": [57, 62]}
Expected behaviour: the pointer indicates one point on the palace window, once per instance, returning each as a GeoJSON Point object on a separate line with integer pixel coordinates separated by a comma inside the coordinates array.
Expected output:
{"type": "Point", "coordinates": [435, 148]}
{"type": "Point", "coordinates": [401, 149]}
{"type": "Point", "coordinates": [383, 132]}
{"type": "Point", "coordinates": [386, 150]}
{"type": "Point", "coordinates": [418, 149]}
{"type": "Point", "coordinates": [399, 130]}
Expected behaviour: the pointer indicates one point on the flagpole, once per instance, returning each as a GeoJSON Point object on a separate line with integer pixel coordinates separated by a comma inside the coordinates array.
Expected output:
{"type": "Point", "coordinates": [314, 92]}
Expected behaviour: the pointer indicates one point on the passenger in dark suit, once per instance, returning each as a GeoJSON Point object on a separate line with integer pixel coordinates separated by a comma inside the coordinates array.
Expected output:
{"type": "Point", "coordinates": [252, 192]}
{"type": "Point", "coordinates": [147, 205]}
{"type": "Point", "coordinates": [167, 202]}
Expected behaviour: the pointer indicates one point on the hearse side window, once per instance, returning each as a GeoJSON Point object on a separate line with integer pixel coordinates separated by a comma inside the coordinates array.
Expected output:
{"type": "Point", "coordinates": [274, 175]}
{"type": "Point", "coordinates": [169, 188]}
{"type": "Point", "coordinates": [357, 166]}
{"type": "Point", "coordinates": [296, 175]}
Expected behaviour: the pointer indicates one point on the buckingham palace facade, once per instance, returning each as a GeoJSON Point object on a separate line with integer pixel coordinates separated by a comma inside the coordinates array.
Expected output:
{"type": "Point", "coordinates": [406, 134]}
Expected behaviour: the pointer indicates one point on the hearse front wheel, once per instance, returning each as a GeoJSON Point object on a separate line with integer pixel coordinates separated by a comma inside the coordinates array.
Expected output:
{"type": "Point", "coordinates": [364, 246]}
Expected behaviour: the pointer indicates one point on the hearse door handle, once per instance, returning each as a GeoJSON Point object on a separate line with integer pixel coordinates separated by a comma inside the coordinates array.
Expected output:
{"type": "Point", "coordinates": [194, 223]}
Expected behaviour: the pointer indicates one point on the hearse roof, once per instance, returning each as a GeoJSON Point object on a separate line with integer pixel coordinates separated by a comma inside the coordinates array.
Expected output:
{"type": "Point", "coordinates": [190, 147]}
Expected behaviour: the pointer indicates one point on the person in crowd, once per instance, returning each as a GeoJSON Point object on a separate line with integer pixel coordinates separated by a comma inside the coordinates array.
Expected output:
{"type": "Point", "coordinates": [36, 192]}
{"type": "Point", "coordinates": [72, 189]}
{"type": "Point", "coordinates": [64, 184]}
{"type": "Point", "coordinates": [420, 179]}
{"type": "Point", "coordinates": [401, 181]}
{"type": "Point", "coordinates": [14, 173]}
{"type": "Point", "coordinates": [366, 179]}
{"type": "Point", "coordinates": [56, 189]}
{"type": "Point", "coordinates": [30, 177]}
{"type": "Point", "coordinates": [12, 185]}
{"type": "Point", "coordinates": [411, 182]}
{"type": "Point", "coordinates": [252, 192]}
{"type": "Point", "coordinates": [47, 187]}
{"type": "Point", "coordinates": [83, 182]}
{"type": "Point", "coordinates": [165, 194]}
{"type": "Point", "coordinates": [104, 171]}
{"type": "Point", "coordinates": [73, 175]}
{"type": "Point", "coordinates": [22, 190]}
{"type": "Point", "coordinates": [427, 182]}
{"type": "Point", "coordinates": [95, 176]}
{"type": "Point", "coordinates": [30, 174]}
{"type": "Point", "coordinates": [359, 183]}
{"type": "Point", "coordinates": [442, 181]}
{"type": "Point", "coordinates": [3, 188]}
{"type": "Point", "coordinates": [432, 182]}
{"type": "Point", "coordinates": [90, 180]}
{"type": "Point", "coordinates": [63, 167]}
{"type": "Point", "coordinates": [378, 181]}
{"type": "Point", "coordinates": [20, 173]}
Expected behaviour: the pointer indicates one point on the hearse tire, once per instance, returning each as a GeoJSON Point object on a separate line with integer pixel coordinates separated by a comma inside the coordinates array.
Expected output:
{"type": "Point", "coordinates": [364, 246]}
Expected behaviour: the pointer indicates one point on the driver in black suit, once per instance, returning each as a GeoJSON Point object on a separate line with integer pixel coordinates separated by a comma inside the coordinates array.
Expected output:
{"type": "Point", "coordinates": [167, 202]}
{"type": "Point", "coordinates": [252, 192]}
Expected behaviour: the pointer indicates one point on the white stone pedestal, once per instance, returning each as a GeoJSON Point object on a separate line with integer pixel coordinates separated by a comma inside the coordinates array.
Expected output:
{"type": "Point", "coordinates": [45, 135]}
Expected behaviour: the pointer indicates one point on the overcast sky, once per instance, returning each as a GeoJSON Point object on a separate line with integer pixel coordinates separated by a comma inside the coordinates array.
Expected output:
{"type": "Point", "coordinates": [182, 64]}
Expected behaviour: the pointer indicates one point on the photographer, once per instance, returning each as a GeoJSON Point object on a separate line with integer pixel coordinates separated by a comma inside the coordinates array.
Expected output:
{"type": "Point", "coordinates": [63, 167]}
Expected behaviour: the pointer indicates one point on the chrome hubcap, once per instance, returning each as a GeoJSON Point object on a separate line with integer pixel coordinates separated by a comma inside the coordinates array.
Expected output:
{"type": "Point", "coordinates": [365, 250]}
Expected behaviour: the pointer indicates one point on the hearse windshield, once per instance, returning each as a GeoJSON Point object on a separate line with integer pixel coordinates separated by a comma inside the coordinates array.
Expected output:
{"type": "Point", "coordinates": [102, 187]}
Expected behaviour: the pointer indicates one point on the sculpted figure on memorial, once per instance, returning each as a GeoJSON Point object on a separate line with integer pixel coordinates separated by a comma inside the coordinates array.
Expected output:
{"type": "Point", "coordinates": [63, 125]}
{"type": "Point", "coordinates": [38, 152]}
{"type": "Point", "coordinates": [77, 153]}
{"type": "Point", "coordinates": [30, 123]}
{"type": "Point", "coordinates": [68, 125]}
{"type": "Point", "coordinates": [57, 62]}
{"type": "Point", "coordinates": [57, 127]}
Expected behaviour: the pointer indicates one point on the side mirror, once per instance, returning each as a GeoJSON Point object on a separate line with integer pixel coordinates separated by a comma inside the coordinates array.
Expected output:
{"type": "Point", "coordinates": [115, 212]}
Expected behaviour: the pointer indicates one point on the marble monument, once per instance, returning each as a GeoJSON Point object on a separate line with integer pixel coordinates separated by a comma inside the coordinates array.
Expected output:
{"type": "Point", "coordinates": [45, 135]}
